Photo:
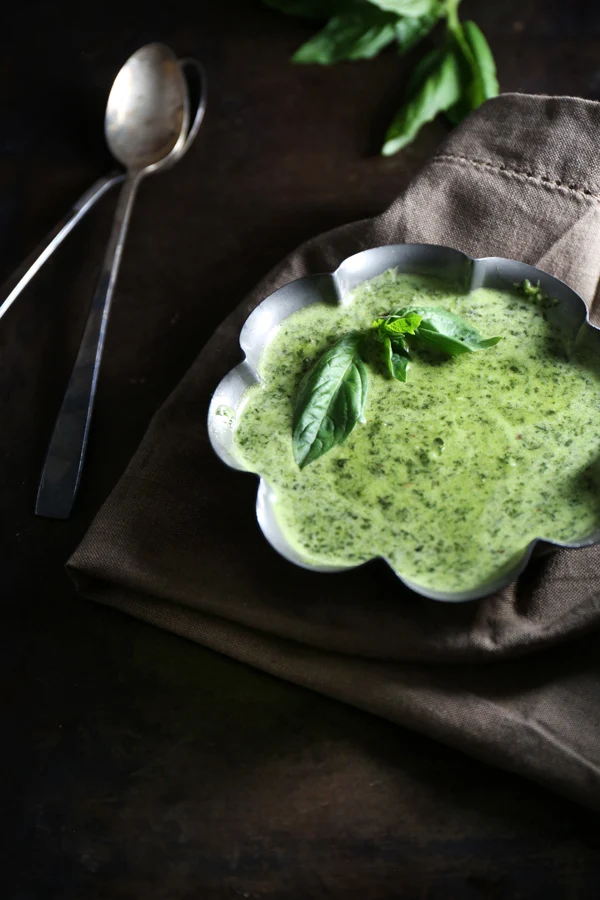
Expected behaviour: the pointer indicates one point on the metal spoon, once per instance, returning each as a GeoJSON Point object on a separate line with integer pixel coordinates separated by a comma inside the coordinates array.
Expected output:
{"type": "Point", "coordinates": [147, 118]}
{"type": "Point", "coordinates": [20, 278]}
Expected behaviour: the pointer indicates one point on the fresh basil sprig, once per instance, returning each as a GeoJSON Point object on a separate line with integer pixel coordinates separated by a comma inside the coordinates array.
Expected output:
{"type": "Point", "coordinates": [394, 354]}
{"type": "Point", "coordinates": [444, 331]}
{"type": "Point", "coordinates": [452, 79]}
{"type": "Point", "coordinates": [395, 324]}
{"type": "Point", "coordinates": [331, 400]}
{"type": "Point", "coordinates": [332, 395]}
{"type": "Point", "coordinates": [389, 332]}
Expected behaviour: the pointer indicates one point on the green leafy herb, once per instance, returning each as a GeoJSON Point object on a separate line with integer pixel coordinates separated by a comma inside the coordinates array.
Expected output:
{"type": "Point", "coordinates": [332, 396]}
{"type": "Point", "coordinates": [412, 29]}
{"type": "Point", "coordinates": [393, 356]}
{"type": "Point", "coordinates": [408, 7]}
{"type": "Point", "coordinates": [453, 79]}
{"type": "Point", "coordinates": [399, 360]}
{"type": "Point", "coordinates": [446, 332]}
{"type": "Point", "coordinates": [358, 34]}
{"type": "Point", "coordinates": [531, 291]}
{"type": "Point", "coordinates": [437, 91]}
{"type": "Point", "coordinates": [308, 9]}
{"type": "Point", "coordinates": [485, 82]}
{"type": "Point", "coordinates": [478, 70]}
{"type": "Point", "coordinates": [385, 354]}
{"type": "Point", "coordinates": [331, 400]}
{"type": "Point", "coordinates": [394, 325]}
{"type": "Point", "coordinates": [389, 333]}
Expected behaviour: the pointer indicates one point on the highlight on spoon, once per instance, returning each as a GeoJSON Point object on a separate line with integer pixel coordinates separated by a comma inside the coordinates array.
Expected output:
{"type": "Point", "coordinates": [147, 112]}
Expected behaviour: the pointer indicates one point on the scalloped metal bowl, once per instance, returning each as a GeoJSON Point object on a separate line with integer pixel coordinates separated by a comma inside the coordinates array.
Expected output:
{"type": "Point", "coordinates": [570, 313]}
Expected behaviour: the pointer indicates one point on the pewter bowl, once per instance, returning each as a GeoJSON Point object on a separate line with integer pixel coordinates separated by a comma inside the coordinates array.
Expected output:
{"type": "Point", "coordinates": [570, 313]}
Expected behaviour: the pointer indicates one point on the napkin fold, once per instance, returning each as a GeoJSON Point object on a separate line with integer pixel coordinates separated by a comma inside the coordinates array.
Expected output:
{"type": "Point", "coordinates": [513, 679]}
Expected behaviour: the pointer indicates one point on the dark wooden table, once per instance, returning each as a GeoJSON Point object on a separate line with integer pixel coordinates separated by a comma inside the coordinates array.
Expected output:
{"type": "Point", "coordinates": [136, 764]}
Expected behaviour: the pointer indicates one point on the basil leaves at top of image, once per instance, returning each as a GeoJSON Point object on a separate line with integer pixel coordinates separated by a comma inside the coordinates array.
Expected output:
{"type": "Point", "coordinates": [332, 396]}
{"type": "Point", "coordinates": [454, 78]}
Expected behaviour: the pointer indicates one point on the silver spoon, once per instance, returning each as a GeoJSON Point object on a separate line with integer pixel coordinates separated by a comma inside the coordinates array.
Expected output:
{"type": "Point", "coordinates": [146, 122]}
{"type": "Point", "coordinates": [20, 278]}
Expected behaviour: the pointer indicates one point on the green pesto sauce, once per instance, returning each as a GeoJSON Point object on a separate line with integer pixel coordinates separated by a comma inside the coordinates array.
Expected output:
{"type": "Point", "coordinates": [454, 472]}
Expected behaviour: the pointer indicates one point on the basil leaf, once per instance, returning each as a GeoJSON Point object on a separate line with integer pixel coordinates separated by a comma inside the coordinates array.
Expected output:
{"type": "Point", "coordinates": [410, 30]}
{"type": "Point", "coordinates": [386, 355]}
{"type": "Point", "coordinates": [439, 90]}
{"type": "Point", "coordinates": [478, 70]}
{"type": "Point", "coordinates": [393, 354]}
{"type": "Point", "coordinates": [357, 34]}
{"type": "Point", "coordinates": [393, 325]}
{"type": "Point", "coordinates": [330, 401]}
{"type": "Point", "coordinates": [309, 9]}
{"type": "Point", "coordinates": [485, 82]}
{"type": "Point", "coordinates": [400, 367]}
{"type": "Point", "coordinates": [400, 360]}
{"type": "Point", "coordinates": [444, 331]}
{"type": "Point", "coordinates": [422, 70]}
{"type": "Point", "coordinates": [408, 7]}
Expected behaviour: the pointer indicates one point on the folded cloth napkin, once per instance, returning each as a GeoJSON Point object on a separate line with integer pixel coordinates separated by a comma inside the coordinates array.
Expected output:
{"type": "Point", "coordinates": [513, 679]}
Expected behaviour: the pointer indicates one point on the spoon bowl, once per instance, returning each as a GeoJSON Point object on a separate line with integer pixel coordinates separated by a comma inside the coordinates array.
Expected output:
{"type": "Point", "coordinates": [147, 113]}
{"type": "Point", "coordinates": [195, 78]}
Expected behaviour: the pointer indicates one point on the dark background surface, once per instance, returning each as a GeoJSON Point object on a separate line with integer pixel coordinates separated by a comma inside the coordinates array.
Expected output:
{"type": "Point", "coordinates": [137, 764]}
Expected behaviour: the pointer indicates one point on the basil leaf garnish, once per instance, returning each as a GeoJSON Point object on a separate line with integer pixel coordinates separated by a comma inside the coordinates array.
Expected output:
{"type": "Point", "coordinates": [531, 291]}
{"type": "Point", "coordinates": [395, 359]}
{"type": "Point", "coordinates": [399, 360]}
{"type": "Point", "coordinates": [446, 332]}
{"type": "Point", "coordinates": [332, 396]}
{"type": "Point", "coordinates": [393, 325]}
{"type": "Point", "coordinates": [389, 333]}
{"type": "Point", "coordinates": [394, 362]}
{"type": "Point", "coordinates": [330, 401]}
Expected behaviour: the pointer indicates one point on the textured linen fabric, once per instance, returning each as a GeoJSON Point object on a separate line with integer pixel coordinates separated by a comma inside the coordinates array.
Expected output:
{"type": "Point", "coordinates": [513, 679]}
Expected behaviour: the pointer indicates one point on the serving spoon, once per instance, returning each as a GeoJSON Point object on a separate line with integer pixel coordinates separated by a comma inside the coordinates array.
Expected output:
{"type": "Point", "coordinates": [20, 278]}
{"type": "Point", "coordinates": [146, 127]}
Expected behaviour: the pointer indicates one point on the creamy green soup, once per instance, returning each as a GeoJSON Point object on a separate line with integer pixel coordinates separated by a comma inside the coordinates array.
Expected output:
{"type": "Point", "coordinates": [454, 472]}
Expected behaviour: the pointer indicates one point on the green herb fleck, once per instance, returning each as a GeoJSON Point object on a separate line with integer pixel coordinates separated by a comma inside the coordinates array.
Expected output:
{"type": "Point", "coordinates": [531, 291]}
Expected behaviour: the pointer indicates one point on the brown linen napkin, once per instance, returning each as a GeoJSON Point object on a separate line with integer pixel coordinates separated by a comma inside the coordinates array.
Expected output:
{"type": "Point", "coordinates": [176, 544]}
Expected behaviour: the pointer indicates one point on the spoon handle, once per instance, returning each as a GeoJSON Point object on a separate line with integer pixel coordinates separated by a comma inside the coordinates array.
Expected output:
{"type": "Point", "coordinates": [11, 288]}
{"type": "Point", "coordinates": [66, 453]}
